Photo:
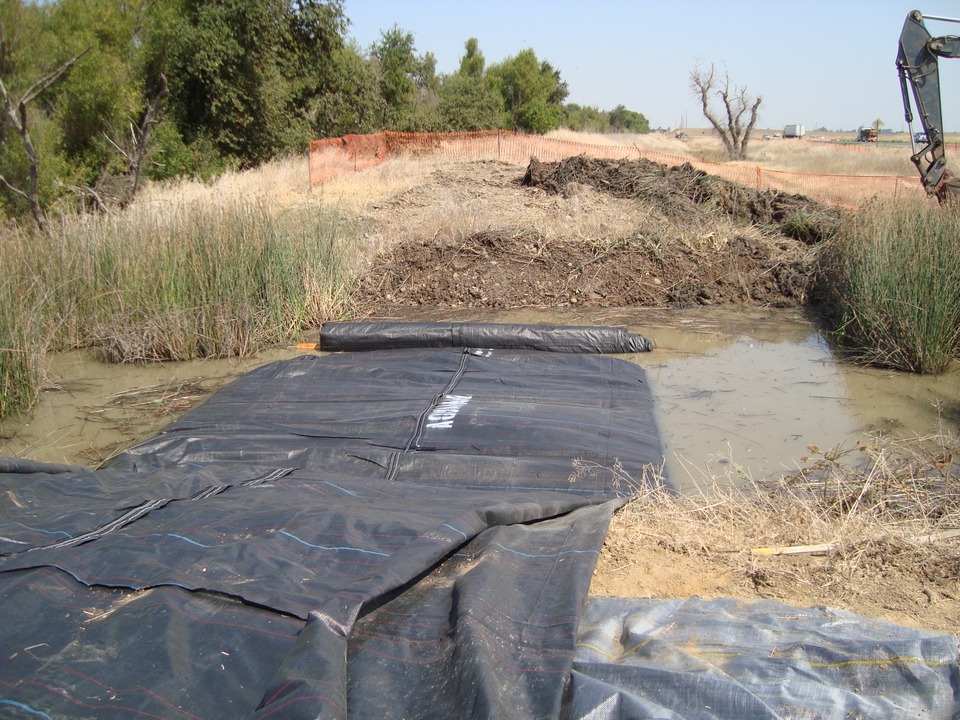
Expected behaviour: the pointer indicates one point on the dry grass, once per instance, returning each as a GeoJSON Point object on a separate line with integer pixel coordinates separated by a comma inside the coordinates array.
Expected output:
{"type": "Point", "coordinates": [283, 182]}
{"type": "Point", "coordinates": [657, 142]}
{"type": "Point", "coordinates": [825, 158]}
{"type": "Point", "coordinates": [359, 191]}
{"type": "Point", "coordinates": [874, 530]}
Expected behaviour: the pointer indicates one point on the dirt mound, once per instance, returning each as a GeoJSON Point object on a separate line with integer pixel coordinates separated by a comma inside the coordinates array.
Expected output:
{"type": "Point", "coordinates": [684, 191]}
{"type": "Point", "coordinates": [684, 238]}
{"type": "Point", "coordinates": [516, 267]}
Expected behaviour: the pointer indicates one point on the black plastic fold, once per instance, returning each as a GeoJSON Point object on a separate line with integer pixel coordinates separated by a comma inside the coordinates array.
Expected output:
{"type": "Point", "coordinates": [554, 338]}
{"type": "Point", "coordinates": [403, 533]}
{"type": "Point", "coordinates": [20, 465]}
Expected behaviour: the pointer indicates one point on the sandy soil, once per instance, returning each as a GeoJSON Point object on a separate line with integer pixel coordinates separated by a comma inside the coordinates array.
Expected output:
{"type": "Point", "coordinates": [669, 553]}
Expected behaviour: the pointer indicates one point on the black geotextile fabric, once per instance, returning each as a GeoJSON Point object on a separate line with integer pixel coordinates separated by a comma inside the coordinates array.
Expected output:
{"type": "Point", "coordinates": [554, 338]}
{"type": "Point", "coordinates": [390, 534]}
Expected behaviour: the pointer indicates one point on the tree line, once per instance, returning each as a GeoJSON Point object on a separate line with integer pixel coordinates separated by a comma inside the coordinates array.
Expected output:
{"type": "Point", "coordinates": [98, 94]}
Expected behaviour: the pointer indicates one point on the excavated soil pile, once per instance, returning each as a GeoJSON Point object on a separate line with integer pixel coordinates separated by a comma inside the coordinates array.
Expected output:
{"type": "Point", "coordinates": [684, 238]}
{"type": "Point", "coordinates": [683, 191]}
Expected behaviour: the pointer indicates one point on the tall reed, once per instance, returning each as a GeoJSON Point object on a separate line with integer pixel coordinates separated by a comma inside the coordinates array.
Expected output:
{"type": "Point", "coordinates": [22, 342]}
{"type": "Point", "coordinates": [207, 281]}
{"type": "Point", "coordinates": [204, 280]}
{"type": "Point", "coordinates": [894, 276]}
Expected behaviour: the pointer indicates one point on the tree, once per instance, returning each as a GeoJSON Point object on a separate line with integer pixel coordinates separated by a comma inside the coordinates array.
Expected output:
{"type": "Point", "coordinates": [560, 90]}
{"type": "Point", "coordinates": [91, 128]}
{"type": "Point", "coordinates": [106, 110]}
{"type": "Point", "coordinates": [623, 120]}
{"type": "Point", "coordinates": [585, 119]}
{"type": "Point", "coordinates": [16, 115]}
{"type": "Point", "coordinates": [395, 55]}
{"type": "Point", "coordinates": [469, 103]}
{"type": "Point", "coordinates": [533, 92]}
{"type": "Point", "coordinates": [468, 98]}
{"type": "Point", "coordinates": [243, 74]}
{"type": "Point", "coordinates": [167, 88]}
{"type": "Point", "coordinates": [351, 102]}
{"type": "Point", "coordinates": [472, 64]}
{"type": "Point", "coordinates": [736, 104]}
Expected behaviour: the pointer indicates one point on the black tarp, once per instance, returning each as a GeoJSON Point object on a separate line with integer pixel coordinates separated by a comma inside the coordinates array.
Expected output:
{"type": "Point", "coordinates": [555, 338]}
{"type": "Point", "coordinates": [391, 534]}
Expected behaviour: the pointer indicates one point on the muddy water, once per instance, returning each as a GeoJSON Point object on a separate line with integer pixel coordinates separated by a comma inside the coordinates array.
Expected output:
{"type": "Point", "coordinates": [91, 410]}
{"type": "Point", "coordinates": [743, 394]}
{"type": "Point", "coordinates": [740, 394]}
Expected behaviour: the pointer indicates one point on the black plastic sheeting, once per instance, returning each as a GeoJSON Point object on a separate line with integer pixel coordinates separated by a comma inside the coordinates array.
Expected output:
{"type": "Point", "coordinates": [393, 534]}
{"type": "Point", "coordinates": [562, 338]}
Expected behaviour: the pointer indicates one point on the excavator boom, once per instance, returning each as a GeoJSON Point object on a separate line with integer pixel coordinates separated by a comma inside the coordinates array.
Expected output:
{"type": "Point", "coordinates": [917, 63]}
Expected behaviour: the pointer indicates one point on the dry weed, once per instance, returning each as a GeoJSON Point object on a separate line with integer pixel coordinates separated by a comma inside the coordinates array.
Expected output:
{"type": "Point", "coordinates": [281, 183]}
{"type": "Point", "coordinates": [657, 142]}
{"type": "Point", "coordinates": [874, 529]}
{"type": "Point", "coordinates": [360, 191]}
{"type": "Point", "coordinates": [825, 158]}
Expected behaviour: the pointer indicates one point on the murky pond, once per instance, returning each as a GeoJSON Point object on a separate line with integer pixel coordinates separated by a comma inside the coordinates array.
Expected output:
{"type": "Point", "coordinates": [743, 393]}
{"type": "Point", "coordinates": [740, 393]}
{"type": "Point", "coordinates": [91, 410]}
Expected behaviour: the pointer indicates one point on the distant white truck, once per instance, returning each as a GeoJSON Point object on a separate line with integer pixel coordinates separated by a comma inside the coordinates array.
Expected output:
{"type": "Point", "coordinates": [794, 131]}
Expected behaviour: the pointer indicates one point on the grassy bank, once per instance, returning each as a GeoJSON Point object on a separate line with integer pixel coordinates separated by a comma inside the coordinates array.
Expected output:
{"type": "Point", "coordinates": [201, 270]}
{"type": "Point", "coordinates": [893, 278]}
{"type": "Point", "coordinates": [202, 280]}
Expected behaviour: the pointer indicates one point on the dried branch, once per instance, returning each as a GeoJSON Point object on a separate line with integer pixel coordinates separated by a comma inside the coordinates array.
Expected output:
{"type": "Point", "coordinates": [151, 117]}
{"type": "Point", "coordinates": [17, 113]}
{"type": "Point", "coordinates": [121, 189]}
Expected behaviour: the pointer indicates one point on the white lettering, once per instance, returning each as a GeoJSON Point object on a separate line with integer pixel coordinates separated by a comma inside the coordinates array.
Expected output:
{"type": "Point", "coordinates": [446, 410]}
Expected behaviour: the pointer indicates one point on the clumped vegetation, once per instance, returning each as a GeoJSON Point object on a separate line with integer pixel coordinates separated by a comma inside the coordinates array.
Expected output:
{"type": "Point", "coordinates": [204, 281]}
{"type": "Point", "coordinates": [893, 285]}
{"type": "Point", "coordinates": [22, 343]}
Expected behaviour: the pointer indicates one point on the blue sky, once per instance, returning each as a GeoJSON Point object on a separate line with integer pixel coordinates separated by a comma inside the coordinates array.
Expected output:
{"type": "Point", "coordinates": [818, 63]}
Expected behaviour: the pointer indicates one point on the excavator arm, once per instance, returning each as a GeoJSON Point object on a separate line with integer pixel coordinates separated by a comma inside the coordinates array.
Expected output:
{"type": "Point", "coordinates": [917, 63]}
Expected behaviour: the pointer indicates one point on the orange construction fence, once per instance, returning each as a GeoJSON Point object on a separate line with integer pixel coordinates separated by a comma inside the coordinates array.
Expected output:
{"type": "Point", "coordinates": [336, 156]}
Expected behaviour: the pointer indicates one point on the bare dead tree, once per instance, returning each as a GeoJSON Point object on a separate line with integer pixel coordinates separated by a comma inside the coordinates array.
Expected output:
{"type": "Point", "coordinates": [141, 136]}
{"type": "Point", "coordinates": [736, 105]}
{"type": "Point", "coordinates": [111, 189]}
{"type": "Point", "coordinates": [17, 115]}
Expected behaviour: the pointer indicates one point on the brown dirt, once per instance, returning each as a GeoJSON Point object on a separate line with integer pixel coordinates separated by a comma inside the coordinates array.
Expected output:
{"type": "Point", "coordinates": [677, 549]}
{"type": "Point", "coordinates": [596, 233]}
{"type": "Point", "coordinates": [592, 233]}
{"type": "Point", "coordinates": [888, 590]}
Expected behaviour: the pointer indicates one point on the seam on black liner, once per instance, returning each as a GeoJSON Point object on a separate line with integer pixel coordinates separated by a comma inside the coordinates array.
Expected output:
{"type": "Point", "coordinates": [414, 442]}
